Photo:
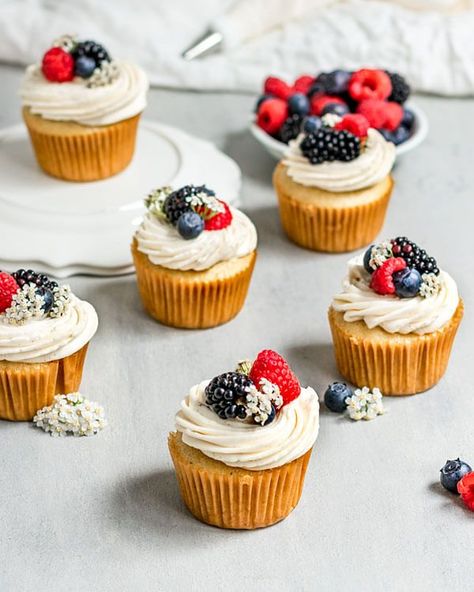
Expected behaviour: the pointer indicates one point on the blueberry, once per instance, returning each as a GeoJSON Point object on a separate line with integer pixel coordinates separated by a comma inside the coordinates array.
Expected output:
{"type": "Point", "coordinates": [190, 225]}
{"type": "Point", "coordinates": [271, 417]}
{"type": "Point", "coordinates": [335, 108]}
{"type": "Point", "coordinates": [400, 135]}
{"type": "Point", "coordinates": [337, 82]}
{"type": "Point", "coordinates": [336, 395]}
{"type": "Point", "coordinates": [260, 100]}
{"type": "Point", "coordinates": [408, 118]}
{"type": "Point", "coordinates": [387, 135]}
{"type": "Point", "coordinates": [299, 104]}
{"type": "Point", "coordinates": [452, 472]}
{"type": "Point", "coordinates": [407, 282]}
{"type": "Point", "coordinates": [47, 297]}
{"type": "Point", "coordinates": [311, 124]}
{"type": "Point", "coordinates": [84, 67]}
{"type": "Point", "coordinates": [367, 256]}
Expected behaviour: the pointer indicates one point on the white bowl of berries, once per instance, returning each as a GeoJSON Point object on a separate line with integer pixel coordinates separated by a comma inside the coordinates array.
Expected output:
{"type": "Point", "coordinates": [284, 110]}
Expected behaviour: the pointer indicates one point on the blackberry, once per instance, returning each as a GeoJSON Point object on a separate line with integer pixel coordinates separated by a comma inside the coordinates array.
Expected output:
{"type": "Point", "coordinates": [226, 393]}
{"type": "Point", "coordinates": [400, 88]}
{"type": "Point", "coordinates": [415, 257]}
{"type": "Point", "coordinates": [291, 128]}
{"type": "Point", "coordinates": [177, 202]}
{"type": "Point", "coordinates": [44, 285]}
{"type": "Point", "coordinates": [91, 49]}
{"type": "Point", "coordinates": [327, 145]}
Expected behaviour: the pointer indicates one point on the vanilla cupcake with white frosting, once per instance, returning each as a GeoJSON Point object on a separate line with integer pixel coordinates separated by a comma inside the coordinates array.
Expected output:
{"type": "Point", "coordinates": [395, 319]}
{"type": "Point", "coordinates": [81, 109]}
{"type": "Point", "coordinates": [243, 442]}
{"type": "Point", "coordinates": [44, 334]}
{"type": "Point", "coordinates": [334, 184]}
{"type": "Point", "coordinates": [194, 256]}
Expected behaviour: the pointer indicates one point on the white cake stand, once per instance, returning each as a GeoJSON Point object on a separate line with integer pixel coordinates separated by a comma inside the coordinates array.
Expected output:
{"type": "Point", "coordinates": [64, 228]}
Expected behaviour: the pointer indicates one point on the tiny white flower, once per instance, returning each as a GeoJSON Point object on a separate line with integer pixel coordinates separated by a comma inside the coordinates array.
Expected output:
{"type": "Point", "coordinates": [365, 404]}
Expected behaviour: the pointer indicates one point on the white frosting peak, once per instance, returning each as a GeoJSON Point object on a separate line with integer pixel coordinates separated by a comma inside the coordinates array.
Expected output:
{"type": "Point", "coordinates": [48, 339]}
{"type": "Point", "coordinates": [417, 315]}
{"type": "Point", "coordinates": [123, 98]}
{"type": "Point", "coordinates": [374, 164]}
{"type": "Point", "coordinates": [161, 242]}
{"type": "Point", "coordinates": [238, 444]}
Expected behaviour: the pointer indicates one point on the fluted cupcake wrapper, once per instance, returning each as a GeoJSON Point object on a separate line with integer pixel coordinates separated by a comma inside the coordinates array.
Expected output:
{"type": "Point", "coordinates": [396, 364]}
{"type": "Point", "coordinates": [230, 497]}
{"type": "Point", "coordinates": [85, 153]}
{"type": "Point", "coordinates": [25, 388]}
{"type": "Point", "coordinates": [332, 229]}
{"type": "Point", "coordinates": [193, 300]}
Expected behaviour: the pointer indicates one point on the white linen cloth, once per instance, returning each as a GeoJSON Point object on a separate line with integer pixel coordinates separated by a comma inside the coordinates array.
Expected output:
{"type": "Point", "coordinates": [429, 41]}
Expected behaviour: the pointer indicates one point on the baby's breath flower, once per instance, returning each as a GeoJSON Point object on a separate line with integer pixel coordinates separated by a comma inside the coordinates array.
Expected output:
{"type": "Point", "coordinates": [259, 403]}
{"type": "Point", "coordinates": [365, 404]}
{"type": "Point", "coordinates": [155, 200]}
{"type": "Point", "coordinates": [330, 119]}
{"type": "Point", "coordinates": [26, 304]}
{"type": "Point", "coordinates": [430, 285]}
{"type": "Point", "coordinates": [72, 414]}
{"type": "Point", "coordinates": [380, 253]}
{"type": "Point", "coordinates": [104, 74]}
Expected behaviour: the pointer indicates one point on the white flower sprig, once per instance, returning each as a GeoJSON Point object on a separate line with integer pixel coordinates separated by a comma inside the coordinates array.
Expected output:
{"type": "Point", "coordinates": [104, 74]}
{"type": "Point", "coordinates": [330, 119]}
{"type": "Point", "coordinates": [365, 404]}
{"type": "Point", "coordinates": [259, 402]}
{"type": "Point", "coordinates": [26, 304]}
{"type": "Point", "coordinates": [430, 285]}
{"type": "Point", "coordinates": [380, 253]}
{"type": "Point", "coordinates": [73, 414]}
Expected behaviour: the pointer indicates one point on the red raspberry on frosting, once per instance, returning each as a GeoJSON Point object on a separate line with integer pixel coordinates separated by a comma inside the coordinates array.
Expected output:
{"type": "Point", "coordinates": [8, 288]}
{"type": "Point", "coordinates": [219, 221]}
{"type": "Point", "coordinates": [58, 65]}
{"type": "Point", "coordinates": [319, 102]}
{"type": "Point", "coordinates": [271, 115]}
{"type": "Point", "coordinates": [382, 280]}
{"type": "Point", "coordinates": [270, 365]}
{"type": "Point", "coordinates": [369, 84]}
{"type": "Point", "coordinates": [277, 87]}
{"type": "Point", "coordinates": [354, 123]}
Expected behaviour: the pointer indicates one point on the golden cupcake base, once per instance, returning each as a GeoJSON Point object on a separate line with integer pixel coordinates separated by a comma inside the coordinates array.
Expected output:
{"type": "Point", "coordinates": [25, 388]}
{"type": "Point", "coordinates": [193, 299]}
{"type": "Point", "coordinates": [75, 152]}
{"type": "Point", "coordinates": [230, 497]}
{"type": "Point", "coordinates": [397, 364]}
{"type": "Point", "coordinates": [333, 222]}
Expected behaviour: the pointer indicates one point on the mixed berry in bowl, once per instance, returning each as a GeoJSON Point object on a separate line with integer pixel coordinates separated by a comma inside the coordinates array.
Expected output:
{"type": "Point", "coordinates": [283, 110]}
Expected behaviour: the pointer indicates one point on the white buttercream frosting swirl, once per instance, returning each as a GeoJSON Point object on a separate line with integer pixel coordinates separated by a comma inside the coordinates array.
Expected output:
{"type": "Point", "coordinates": [417, 315]}
{"type": "Point", "coordinates": [247, 445]}
{"type": "Point", "coordinates": [374, 164]}
{"type": "Point", "coordinates": [47, 339]}
{"type": "Point", "coordinates": [123, 98]}
{"type": "Point", "coordinates": [161, 242]}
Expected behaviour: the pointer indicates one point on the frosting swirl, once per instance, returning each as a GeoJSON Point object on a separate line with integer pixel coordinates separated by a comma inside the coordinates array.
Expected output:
{"type": "Point", "coordinates": [417, 315]}
{"type": "Point", "coordinates": [249, 446]}
{"type": "Point", "coordinates": [48, 339]}
{"type": "Point", "coordinates": [161, 242]}
{"type": "Point", "coordinates": [123, 98]}
{"type": "Point", "coordinates": [374, 164]}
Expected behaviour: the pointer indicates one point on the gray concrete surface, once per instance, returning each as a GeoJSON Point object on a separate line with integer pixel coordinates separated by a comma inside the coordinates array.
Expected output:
{"type": "Point", "coordinates": [103, 514]}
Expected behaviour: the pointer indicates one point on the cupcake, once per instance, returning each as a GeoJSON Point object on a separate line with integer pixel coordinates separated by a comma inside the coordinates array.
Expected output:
{"type": "Point", "coordinates": [81, 109]}
{"type": "Point", "coordinates": [243, 444]}
{"type": "Point", "coordinates": [334, 183]}
{"type": "Point", "coordinates": [44, 334]}
{"type": "Point", "coordinates": [394, 322]}
{"type": "Point", "coordinates": [194, 256]}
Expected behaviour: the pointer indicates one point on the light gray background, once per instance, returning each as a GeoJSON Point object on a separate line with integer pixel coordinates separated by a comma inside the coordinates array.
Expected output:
{"type": "Point", "coordinates": [104, 514]}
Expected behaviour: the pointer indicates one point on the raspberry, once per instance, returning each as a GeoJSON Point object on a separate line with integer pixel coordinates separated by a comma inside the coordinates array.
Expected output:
{"type": "Point", "coordinates": [219, 221]}
{"type": "Point", "coordinates": [303, 84]}
{"type": "Point", "coordinates": [382, 280]}
{"type": "Point", "coordinates": [354, 123]}
{"type": "Point", "coordinates": [374, 111]}
{"type": "Point", "coordinates": [271, 115]}
{"type": "Point", "coordinates": [369, 84]}
{"type": "Point", "coordinates": [318, 102]}
{"type": "Point", "coordinates": [277, 87]}
{"type": "Point", "coordinates": [58, 65]}
{"type": "Point", "coordinates": [466, 490]}
{"type": "Point", "coordinates": [393, 116]}
{"type": "Point", "coordinates": [270, 365]}
{"type": "Point", "coordinates": [8, 288]}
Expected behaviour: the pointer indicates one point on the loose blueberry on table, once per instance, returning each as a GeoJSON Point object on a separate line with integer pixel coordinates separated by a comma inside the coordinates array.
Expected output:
{"type": "Point", "coordinates": [378, 95]}
{"type": "Point", "coordinates": [452, 472]}
{"type": "Point", "coordinates": [336, 395]}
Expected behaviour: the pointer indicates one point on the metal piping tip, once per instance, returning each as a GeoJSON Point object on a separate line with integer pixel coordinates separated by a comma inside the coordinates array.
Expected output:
{"type": "Point", "coordinates": [211, 41]}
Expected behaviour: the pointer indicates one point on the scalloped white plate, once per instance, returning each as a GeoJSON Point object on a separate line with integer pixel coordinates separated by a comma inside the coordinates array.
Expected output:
{"type": "Point", "coordinates": [277, 149]}
{"type": "Point", "coordinates": [66, 228]}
